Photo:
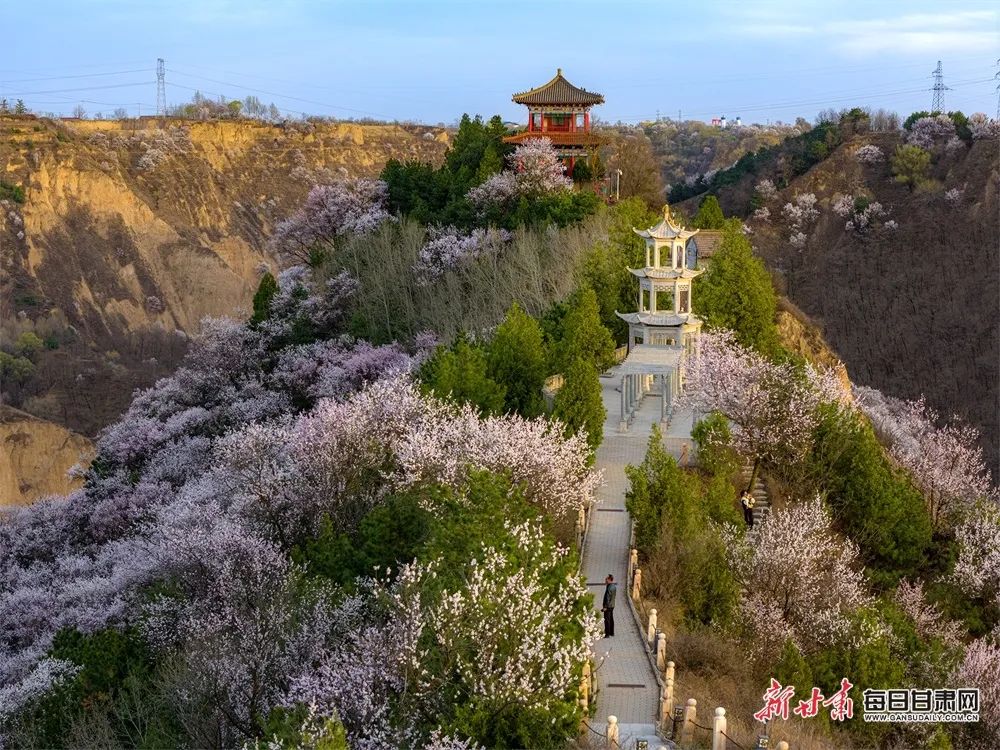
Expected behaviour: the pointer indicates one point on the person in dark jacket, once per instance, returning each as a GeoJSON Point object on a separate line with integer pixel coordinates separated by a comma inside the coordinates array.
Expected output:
{"type": "Point", "coordinates": [610, 590]}
{"type": "Point", "coordinates": [747, 501]}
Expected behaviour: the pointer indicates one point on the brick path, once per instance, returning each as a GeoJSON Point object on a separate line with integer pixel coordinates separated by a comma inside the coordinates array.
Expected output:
{"type": "Point", "coordinates": [627, 686]}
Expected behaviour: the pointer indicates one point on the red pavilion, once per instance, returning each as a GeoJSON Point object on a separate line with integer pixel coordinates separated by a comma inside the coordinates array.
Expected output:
{"type": "Point", "coordinates": [560, 111]}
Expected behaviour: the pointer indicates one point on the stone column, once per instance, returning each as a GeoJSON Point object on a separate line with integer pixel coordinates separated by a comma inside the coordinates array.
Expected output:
{"type": "Point", "coordinates": [664, 398]}
{"type": "Point", "coordinates": [585, 687]}
{"type": "Point", "coordinates": [667, 699]}
{"type": "Point", "coordinates": [718, 729]}
{"type": "Point", "coordinates": [637, 584]}
{"type": "Point", "coordinates": [661, 650]}
{"type": "Point", "coordinates": [781, 745]}
{"type": "Point", "coordinates": [690, 717]}
{"type": "Point", "coordinates": [651, 629]}
{"type": "Point", "coordinates": [633, 561]}
{"type": "Point", "coordinates": [623, 422]}
{"type": "Point", "coordinates": [670, 672]}
{"type": "Point", "coordinates": [611, 743]}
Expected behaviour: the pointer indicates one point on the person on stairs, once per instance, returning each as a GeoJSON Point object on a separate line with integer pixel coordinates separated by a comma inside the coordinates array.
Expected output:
{"type": "Point", "coordinates": [747, 501]}
{"type": "Point", "coordinates": [610, 590]}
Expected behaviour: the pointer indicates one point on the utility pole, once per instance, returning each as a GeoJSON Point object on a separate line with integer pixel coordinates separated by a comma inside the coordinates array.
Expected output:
{"type": "Point", "coordinates": [678, 117]}
{"type": "Point", "coordinates": [939, 88]}
{"type": "Point", "coordinates": [161, 88]}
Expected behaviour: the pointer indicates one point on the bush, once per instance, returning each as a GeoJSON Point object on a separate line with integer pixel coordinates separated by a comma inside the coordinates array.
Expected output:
{"type": "Point", "coordinates": [874, 502]}
{"type": "Point", "coordinates": [11, 192]}
{"type": "Point", "coordinates": [459, 373]}
{"type": "Point", "coordinates": [581, 334]}
{"type": "Point", "coordinates": [266, 290]}
{"type": "Point", "coordinates": [579, 403]}
{"type": "Point", "coordinates": [910, 165]}
{"type": "Point", "coordinates": [517, 361]}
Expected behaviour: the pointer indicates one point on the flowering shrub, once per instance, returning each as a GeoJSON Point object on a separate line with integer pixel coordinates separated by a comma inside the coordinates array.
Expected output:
{"type": "Point", "coordinates": [772, 408]}
{"type": "Point", "coordinates": [533, 169]}
{"type": "Point", "coordinates": [448, 248]}
{"type": "Point", "coordinates": [861, 213]}
{"type": "Point", "coordinates": [331, 211]}
{"type": "Point", "coordinates": [945, 461]}
{"type": "Point", "coordinates": [977, 571]}
{"type": "Point", "coordinates": [981, 126]}
{"type": "Point", "coordinates": [766, 190]}
{"type": "Point", "coordinates": [762, 214]}
{"type": "Point", "coordinates": [928, 132]}
{"type": "Point", "coordinates": [869, 154]}
{"type": "Point", "coordinates": [954, 196]}
{"type": "Point", "coordinates": [800, 581]}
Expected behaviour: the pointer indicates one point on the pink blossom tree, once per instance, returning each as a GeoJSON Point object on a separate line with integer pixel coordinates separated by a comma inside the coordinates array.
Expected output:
{"type": "Point", "coordinates": [945, 460]}
{"type": "Point", "coordinates": [331, 211]}
{"type": "Point", "coordinates": [772, 406]}
{"type": "Point", "coordinates": [534, 169]}
{"type": "Point", "coordinates": [800, 581]}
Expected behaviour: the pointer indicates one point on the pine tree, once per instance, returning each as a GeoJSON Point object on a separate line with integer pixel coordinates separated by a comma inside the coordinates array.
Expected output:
{"type": "Point", "coordinates": [736, 293]}
{"type": "Point", "coordinates": [583, 334]}
{"type": "Point", "coordinates": [517, 361]}
{"type": "Point", "coordinates": [709, 214]}
{"type": "Point", "coordinates": [20, 108]}
{"type": "Point", "coordinates": [579, 403]}
{"type": "Point", "coordinates": [460, 374]}
{"type": "Point", "coordinates": [266, 290]}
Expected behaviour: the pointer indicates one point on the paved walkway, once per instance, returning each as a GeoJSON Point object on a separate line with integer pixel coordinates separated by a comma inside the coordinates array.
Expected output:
{"type": "Point", "coordinates": [627, 686]}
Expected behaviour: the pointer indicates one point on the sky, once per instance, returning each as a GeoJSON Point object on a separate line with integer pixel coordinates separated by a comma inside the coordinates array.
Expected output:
{"type": "Point", "coordinates": [430, 61]}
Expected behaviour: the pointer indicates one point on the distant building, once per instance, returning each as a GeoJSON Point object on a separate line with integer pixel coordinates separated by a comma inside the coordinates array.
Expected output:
{"type": "Point", "coordinates": [560, 111]}
{"type": "Point", "coordinates": [723, 123]}
{"type": "Point", "coordinates": [739, 122]}
{"type": "Point", "coordinates": [702, 247]}
{"type": "Point", "coordinates": [716, 121]}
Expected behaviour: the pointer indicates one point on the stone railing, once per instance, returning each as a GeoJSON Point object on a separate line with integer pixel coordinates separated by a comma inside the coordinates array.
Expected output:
{"type": "Point", "coordinates": [675, 721]}
{"type": "Point", "coordinates": [620, 353]}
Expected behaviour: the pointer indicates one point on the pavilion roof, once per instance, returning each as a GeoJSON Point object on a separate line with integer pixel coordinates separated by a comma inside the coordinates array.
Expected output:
{"type": "Point", "coordinates": [666, 229]}
{"type": "Point", "coordinates": [558, 91]}
{"type": "Point", "coordinates": [667, 319]}
{"type": "Point", "coordinates": [665, 273]}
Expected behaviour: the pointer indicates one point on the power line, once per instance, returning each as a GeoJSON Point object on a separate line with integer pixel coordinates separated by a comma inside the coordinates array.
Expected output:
{"type": "Point", "coordinates": [82, 75]}
{"type": "Point", "coordinates": [85, 88]}
{"type": "Point", "coordinates": [279, 95]}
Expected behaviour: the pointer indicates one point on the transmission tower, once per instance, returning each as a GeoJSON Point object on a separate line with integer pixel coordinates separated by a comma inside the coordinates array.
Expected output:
{"type": "Point", "coordinates": [997, 75]}
{"type": "Point", "coordinates": [161, 88]}
{"type": "Point", "coordinates": [938, 88]}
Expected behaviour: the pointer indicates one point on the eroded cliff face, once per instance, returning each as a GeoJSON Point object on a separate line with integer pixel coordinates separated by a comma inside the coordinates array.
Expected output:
{"type": "Point", "coordinates": [130, 233]}
{"type": "Point", "coordinates": [36, 456]}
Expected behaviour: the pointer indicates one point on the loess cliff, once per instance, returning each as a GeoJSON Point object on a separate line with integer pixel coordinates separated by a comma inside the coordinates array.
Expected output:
{"type": "Point", "coordinates": [117, 238]}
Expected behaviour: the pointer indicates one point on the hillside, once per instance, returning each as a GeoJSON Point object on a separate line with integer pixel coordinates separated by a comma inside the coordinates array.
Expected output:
{"type": "Point", "coordinates": [129, 234]}
{"type": "Point", "coordinates": [35, 456]}
{"type": "Point", "coordinates": [912, 310]}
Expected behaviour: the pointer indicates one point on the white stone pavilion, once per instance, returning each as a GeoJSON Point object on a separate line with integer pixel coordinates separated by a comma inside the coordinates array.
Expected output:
{"type": "Point", "coordinates": [664, 330]}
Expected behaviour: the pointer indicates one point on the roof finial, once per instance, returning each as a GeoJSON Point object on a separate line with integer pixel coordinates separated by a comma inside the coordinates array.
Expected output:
{"type": "Point", "coordinates": [558, 71]}
{"type": "Point", "coordinates": [666, 212]}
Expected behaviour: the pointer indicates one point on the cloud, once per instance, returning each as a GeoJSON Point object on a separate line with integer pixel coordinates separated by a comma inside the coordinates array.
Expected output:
{"type": "Point", "coordinates": [909, 34]}
{"type": "Point", "coordinates": [918, 33]}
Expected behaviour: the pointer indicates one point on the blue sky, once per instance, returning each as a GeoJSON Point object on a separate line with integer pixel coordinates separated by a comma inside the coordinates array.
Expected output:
{"type": "Point", "coordinates": [430, 61]}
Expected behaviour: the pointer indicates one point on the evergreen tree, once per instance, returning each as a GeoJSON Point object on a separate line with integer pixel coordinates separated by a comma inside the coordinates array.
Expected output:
{"type": "Point", "coordinates": [517, 361]}
{"type": "Point", "coordinates": [266, 290]}
{"type": "Point", "coordinates": [459, 373]}
{"type": "Point", "coordinates": [20, 108]}
{"type": "Point", "coordinates": [709, 214]}
{"type": "Point", "coordinates": [910, 165]}
{"type": "Point", "coordinates": [579, 402]}
{"type": "Point", "coordinates": [583, 334]}
{"type": "Point", "coordinates": [736, 292]}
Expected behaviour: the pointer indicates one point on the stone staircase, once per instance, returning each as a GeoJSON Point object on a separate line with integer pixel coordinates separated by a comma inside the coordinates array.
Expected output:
{"type": "Point", "coordinates": [762, 504]}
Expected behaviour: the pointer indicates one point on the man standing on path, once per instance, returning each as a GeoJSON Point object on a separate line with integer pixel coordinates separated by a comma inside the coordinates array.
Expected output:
{"type": "Point", "coordinates": [610, 590]}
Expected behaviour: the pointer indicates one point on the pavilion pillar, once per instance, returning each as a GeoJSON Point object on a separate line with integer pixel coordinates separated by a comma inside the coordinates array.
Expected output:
{"type": "Point", "coordinates": [664, 397]}
{"type": "Point", "coordinates": [622, 422]}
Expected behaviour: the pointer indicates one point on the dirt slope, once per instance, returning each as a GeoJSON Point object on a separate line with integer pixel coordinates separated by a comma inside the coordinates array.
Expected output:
{"type": "Point", "coordinates": [130, 233]}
